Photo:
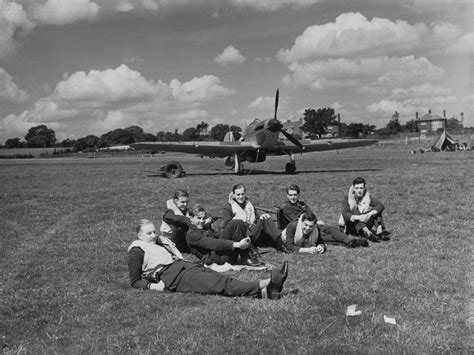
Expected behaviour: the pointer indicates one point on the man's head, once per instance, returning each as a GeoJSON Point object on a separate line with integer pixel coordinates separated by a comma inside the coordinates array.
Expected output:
{"type": "Point", "coordinates": [198, 216]}
{"type": "Point", "coordinates": [308, 221]}
{"type": "Point", "coordinates": [359, 187]}
{"type": "Point", "coordinates": [293, 193]}
{"type": "Point", "coordinates": [146, 231]}
{"type": "Point", "coordinates": [180, 199]}
{"type": "Point", "coordinates": [239, 193]}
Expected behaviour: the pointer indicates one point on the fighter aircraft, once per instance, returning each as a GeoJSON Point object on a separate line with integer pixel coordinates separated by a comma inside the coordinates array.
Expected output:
{"type": "Point", "coordinates": [259, 140]}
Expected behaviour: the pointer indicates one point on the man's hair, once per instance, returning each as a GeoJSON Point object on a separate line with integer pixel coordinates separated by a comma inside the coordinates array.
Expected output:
{"type": "Point", "coordinates": [196, 210]}
{"type": "Point", "coordinates": [238, 186]}
{"type": "Point", "coordinates": [140, 224]}
{"type": "Point", "coordinates": [358, 180]}
{"type": "Point", "coordinates": [308, 216]}
{"type": "Point", "coordinates": [293, 187]}
{"type": "Point", "coordinates": [180, 193]}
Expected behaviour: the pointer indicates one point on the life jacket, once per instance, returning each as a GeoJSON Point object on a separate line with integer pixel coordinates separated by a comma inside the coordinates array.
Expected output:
{"type": "Point", "coordinates": [165, 228]}
{"type": "Point", "coordinates": [363, 205]}
{"type": "Point", "coordinates": [299, 236]}
{"type": "Point", "coordinates": [246, 214]}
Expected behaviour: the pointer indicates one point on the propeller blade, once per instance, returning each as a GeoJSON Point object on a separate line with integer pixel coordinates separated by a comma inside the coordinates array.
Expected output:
{"type": "Point", "coordinates": [276, 103]}
{"type": "Point", "coordinates": [291, 138]}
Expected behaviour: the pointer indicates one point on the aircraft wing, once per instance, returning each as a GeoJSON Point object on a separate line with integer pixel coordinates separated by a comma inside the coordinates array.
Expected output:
{"type": "Point", "coordinates": [215, 149]}
{"type": "Point", "coordinates": [320, 145]}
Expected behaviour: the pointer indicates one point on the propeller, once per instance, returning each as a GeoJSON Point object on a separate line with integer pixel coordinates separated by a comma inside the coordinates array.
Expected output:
{"type": "Point", "coordinates": [274, 125]}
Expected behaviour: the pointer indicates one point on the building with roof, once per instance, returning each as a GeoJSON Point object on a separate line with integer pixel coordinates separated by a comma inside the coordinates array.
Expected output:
{"type": "Point", "coordinates": [429, 122]}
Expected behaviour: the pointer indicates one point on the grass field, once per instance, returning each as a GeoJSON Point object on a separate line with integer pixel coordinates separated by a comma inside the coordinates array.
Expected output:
{"type": "Point", "coordinates": [66, 224]}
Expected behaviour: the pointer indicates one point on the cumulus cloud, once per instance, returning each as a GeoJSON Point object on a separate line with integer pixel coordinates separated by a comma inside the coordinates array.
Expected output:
{"type": "Point", "coordinates": [350, 34]}
{"type": "Point", "coordinates": [445, 31]}
{"type": "Point", "coordinates": [124, 6]}
{"type": "Point", "coordinates": [120, 85]}
{"type": "Point", "coordinates": [463, 45]}
{"type": "Point", "coordinates": [150, 5]}
{"type": "Point", "coordinates": [9, 90]}
{"type": "Point", "coordinates": [273, 5]}
{"type": "Point", "coordinates": [114, 120]}
{"type": "Point", "coordinates": [205, 88]}
{"type": "Point", "coordinates": [59, 12]}
{"type": "Point", "coordinates": [414, 104]}
{"type": "Point", "coordinates": [230, 55]}
{"type": "Point", "coordinates": [363, 72]}
{"type": "Point", "coordinates": [263, 103]}
{"type": "Point", "coordinates": [423, 90]}
{"type": "Point", "coordinates": [99, 101]}
{"type": "Point", "coordinates": [14, 23]}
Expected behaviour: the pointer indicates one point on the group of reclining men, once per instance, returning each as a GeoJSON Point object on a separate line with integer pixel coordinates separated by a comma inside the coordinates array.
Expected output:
{"type": "Point", "coordinates": [155, 262]}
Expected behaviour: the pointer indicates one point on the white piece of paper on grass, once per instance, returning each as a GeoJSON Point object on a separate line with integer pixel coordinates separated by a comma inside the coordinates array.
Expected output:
{"type": "Point", "coordinates": [351, 310]}
{"type": "Point", "coordinates": [389, 320]}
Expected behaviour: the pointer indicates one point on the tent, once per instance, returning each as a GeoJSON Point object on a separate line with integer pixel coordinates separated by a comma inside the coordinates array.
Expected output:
{"type": "Point", "coordinates": [445, 143]}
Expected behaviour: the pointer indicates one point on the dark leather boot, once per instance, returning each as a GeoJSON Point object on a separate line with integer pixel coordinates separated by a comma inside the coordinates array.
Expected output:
{"type": "Point", "coordinates": [246, 259]}
{"type": "Point", "coordinates": [280, 245]}
{"type": "Point", "coordinates": [254, 254]}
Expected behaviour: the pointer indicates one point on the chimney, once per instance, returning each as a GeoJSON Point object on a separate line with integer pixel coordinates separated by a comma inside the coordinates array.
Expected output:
{"type": "Point", "coordinates": [429, 111]}
{"type": "Point", "coordinates": [462, 116]}
{"type": "Point", "coordinates": [444, 113]}
{"type": "Point", "coordinates": [416, 115]}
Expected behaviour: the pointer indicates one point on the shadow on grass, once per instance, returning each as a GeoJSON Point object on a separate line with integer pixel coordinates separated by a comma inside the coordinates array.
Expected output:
{"type": "Point", "coordinates": [266, 172]}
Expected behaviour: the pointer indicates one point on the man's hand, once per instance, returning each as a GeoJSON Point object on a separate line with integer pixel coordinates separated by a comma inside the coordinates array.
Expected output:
{"type": "Point", "coordinates": [265, 216]}
{"type": "Point", "coordinates": [243, 244]}
{"type": "Point", "coordinates": [310, 250]}
{"type": "Point", "coordinates": [320, 249]}
{"type": "Point", "coordinates": [160, 286]}
{"type": "Point", "coordinates": [208, 221]}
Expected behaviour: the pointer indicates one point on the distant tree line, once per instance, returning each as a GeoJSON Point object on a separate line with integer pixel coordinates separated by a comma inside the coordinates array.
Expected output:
{"type": "Point", "coordinates": [316, 122]}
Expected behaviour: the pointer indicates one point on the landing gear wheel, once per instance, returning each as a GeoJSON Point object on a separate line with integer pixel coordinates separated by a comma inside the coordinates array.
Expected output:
{"type": "Point", "coordinates": [173, 170]}
{"type": "Point", "coordinates": [290, 168]}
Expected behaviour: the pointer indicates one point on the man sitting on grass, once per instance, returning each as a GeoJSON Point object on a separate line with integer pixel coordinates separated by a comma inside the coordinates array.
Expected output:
{"type": "Point", "coordinates": [362, 213]}
{"type": "Point", "coordinates": [154, 263]}
{"type": "Point", "coordinates": [294, 208]}
{"type": "Point", "coordinates": [220, 248]}
{"type": "Point", "coordinates": [303, 235]}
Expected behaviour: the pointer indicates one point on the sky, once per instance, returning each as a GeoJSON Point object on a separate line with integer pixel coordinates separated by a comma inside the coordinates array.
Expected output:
{"type": "Point", "coordinates": [91, 66]}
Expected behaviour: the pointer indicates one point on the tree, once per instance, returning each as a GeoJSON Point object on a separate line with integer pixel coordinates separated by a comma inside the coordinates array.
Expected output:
{"type": "Point", "coordinates": [190, 134]}
{"type": "Point", "coordinates": [317, 121]}
{"type": "Point", "coordinates": [202, 129]}
{"type": "Point", "coordinates": [14, 143]}
{"type": "Point", "coordinates": [410, 126]}
{"type": "Point", "coordinates": [89, 142]}
{"type": "Point", "coordinates": [40, 136]}
{"type": "Point", "coordinates": [236, 131]}
{"type": "Point", "coordinates": [356, 130]}
{"type": "Point", "coordinates": [394, 125]}
{"type": "Point", "coordinates": [453, 124]}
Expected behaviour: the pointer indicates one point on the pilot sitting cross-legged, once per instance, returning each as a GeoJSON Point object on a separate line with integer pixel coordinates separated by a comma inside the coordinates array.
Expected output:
{"type": "Point", "coordinates": [261, 229]}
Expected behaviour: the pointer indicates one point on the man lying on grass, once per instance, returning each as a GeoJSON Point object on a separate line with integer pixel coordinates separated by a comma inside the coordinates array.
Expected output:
{"type": "Point", "coordinates": [362, 213]}
{"type": "Point", "coordinates": [229, 246]}
{"type": "Point", "coordinates": [154, 263]}
{"type": "Point", "coordinates": [294, 208]}
{"type": "Point", "coordinates": [303, 235]}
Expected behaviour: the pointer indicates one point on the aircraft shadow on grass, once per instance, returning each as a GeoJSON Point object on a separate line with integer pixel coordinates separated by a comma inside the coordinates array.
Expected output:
{"type": "Point", "coordinates": [268, 172]}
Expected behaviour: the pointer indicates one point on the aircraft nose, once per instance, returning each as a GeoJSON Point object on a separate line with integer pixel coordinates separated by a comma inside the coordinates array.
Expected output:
{"type": "Point", "coordinates": [274, 125]}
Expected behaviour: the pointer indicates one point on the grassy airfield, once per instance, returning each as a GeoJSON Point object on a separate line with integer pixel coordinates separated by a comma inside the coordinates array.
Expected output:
{"type": "Point", "coordinates": [66, 225]}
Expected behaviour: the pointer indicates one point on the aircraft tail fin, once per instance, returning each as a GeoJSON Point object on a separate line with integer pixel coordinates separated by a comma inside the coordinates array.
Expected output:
{"type": "Point", "coordinates": [229, 137]}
